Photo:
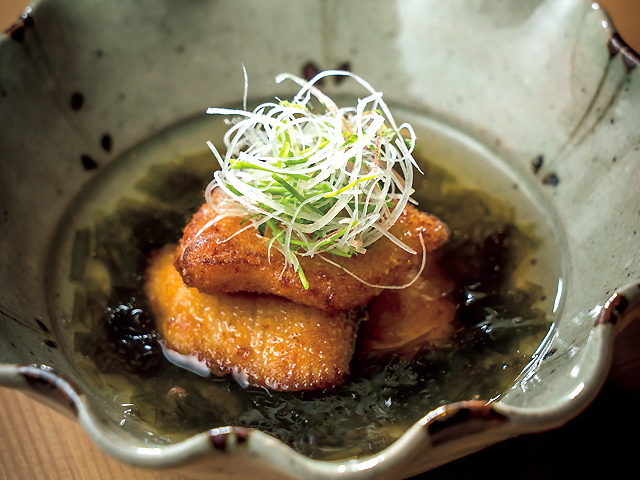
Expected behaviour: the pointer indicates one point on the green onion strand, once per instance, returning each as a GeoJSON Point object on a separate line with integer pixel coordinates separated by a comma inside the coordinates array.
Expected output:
{"type": "Point", "coordinates": [328, 182]}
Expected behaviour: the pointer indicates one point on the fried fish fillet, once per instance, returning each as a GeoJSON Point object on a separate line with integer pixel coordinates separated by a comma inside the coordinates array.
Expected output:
{"type": "Point", "coordinates": [215, 260]}
{"type": "Point", "coordinates": [263, 340]}
{"type": "Point", "coordinates": [406, 321]}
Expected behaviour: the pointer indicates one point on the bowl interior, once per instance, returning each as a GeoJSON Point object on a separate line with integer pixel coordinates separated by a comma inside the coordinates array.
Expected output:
{"type": "Point", "coordinates": [536, 105]}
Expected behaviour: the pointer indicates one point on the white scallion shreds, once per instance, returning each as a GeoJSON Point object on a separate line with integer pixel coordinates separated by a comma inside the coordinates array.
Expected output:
{"type": "Point", "coordinates": [328, 182]}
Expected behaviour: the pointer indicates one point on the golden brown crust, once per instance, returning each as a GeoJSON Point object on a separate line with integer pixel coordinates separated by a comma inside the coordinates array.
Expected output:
{"type": "Point", "coordinates": [216, 261]}
{"type": "Point", "coordinates": [269, 341]}
{"type": "Point", "coordinates": [408, 320]}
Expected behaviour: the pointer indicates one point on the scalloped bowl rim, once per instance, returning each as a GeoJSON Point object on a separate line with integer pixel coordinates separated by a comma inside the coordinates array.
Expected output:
{"type": "Point", "coordinates": [502, 420]}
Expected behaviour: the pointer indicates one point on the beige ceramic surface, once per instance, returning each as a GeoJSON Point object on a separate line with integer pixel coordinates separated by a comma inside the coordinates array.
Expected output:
{"type": "Point", "coordinates": [40, 443]}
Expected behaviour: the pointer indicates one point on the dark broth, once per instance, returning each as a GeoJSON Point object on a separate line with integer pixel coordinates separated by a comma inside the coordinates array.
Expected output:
{"type": "Point", "coordinates": [113, 334]}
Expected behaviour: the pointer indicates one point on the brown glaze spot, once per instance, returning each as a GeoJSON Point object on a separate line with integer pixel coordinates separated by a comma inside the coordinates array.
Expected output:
{"type": "Point", "coordinates": [551, 179]}
{"type": "Point", "coordinates": [629, 57]}
{"type": "Point", "coordinates": [219, 441]}
{"type": "Point", "coordinates": [42, 379]}
{"type": "Point", "coordinates": [463, 419]}
{"type": "Point", "coordinates": [242, 434]}
{"type": "Point", "coordinates": [612, 310]}
{"type": "Point", "coordinates": [615, 44]}
{"type": "Point", "coordinates": [17, 31]}
{"type": "Point", "coordinates": [50, 343]}
{"type": "Point", "coordinates": [310, 70]}
{"type": "Point", "coordinates": [536, 163]}
{"type": "Point", "coordinates": [346, 66]}
{"type": "Point", "coordinates": [76, 101]}
{"type": "Point", "coordinates": [88, 163]}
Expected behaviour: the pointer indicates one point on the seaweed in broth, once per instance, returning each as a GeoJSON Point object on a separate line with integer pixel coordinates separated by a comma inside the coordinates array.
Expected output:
{"type": "Point", "coordinates": [118, 346]}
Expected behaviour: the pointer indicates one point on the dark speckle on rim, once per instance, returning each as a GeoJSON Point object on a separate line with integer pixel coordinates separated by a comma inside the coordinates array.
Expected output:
{"type": "Point", "coordinates": [88, 163]}
{"type": "Point", "coordinates": [551, 179]}
{"type": "Point", "coordinates": [105, 142]}
{"type": "Point", "coordinates": [463, 419]}
{"type": "Point", "coordinates": [222, 439]}
{"type": "Point", "coordinates": [77, 100]}
{"type": "Point", "coordinates": [630, 58]}
{"type": "Point", "coordinates": [219, 441]}
{"type": "Point", "coordinates": [42, 326]}
{"type": "Point", "coordinates": [242, 434]}
{"type": "Point", "coordinates": [17, 31]}
{"type": "Point", "coordinates": [46, 381]}
{"type": "Point", "coordinates": [615, 44]}
{"type": "Point", "coordinates": [536, 163]}
{"type": "Point", "coordinates": [612, 310]}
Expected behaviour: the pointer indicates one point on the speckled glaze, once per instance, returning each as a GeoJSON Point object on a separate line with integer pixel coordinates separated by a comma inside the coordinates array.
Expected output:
{"type": "Point", "coordinates": [545, 84]}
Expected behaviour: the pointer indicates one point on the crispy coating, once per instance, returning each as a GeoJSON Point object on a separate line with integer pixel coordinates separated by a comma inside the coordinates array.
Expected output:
{"type": "Point", "coordinates": [261, 339]}
{"type": "Point", "coordinates": [217, 261]}
{"type": "Point", "coordinates": [406, 321]}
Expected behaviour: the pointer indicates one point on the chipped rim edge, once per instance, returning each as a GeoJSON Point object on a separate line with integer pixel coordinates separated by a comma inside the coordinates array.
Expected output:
{"type": "Point", "coordinates": [442, 426]}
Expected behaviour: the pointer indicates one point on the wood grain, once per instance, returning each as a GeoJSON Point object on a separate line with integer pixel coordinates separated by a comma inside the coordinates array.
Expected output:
{"type": "Point", "coordinates": [39, 443]}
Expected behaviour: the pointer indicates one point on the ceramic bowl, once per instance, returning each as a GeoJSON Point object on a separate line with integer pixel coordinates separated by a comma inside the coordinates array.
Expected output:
{"type": "Point", "coordinates": [545, 86]}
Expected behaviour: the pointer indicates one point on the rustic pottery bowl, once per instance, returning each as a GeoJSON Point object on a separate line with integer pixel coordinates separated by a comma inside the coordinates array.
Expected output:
{"type": "Point", "coordinates": [546, 86]}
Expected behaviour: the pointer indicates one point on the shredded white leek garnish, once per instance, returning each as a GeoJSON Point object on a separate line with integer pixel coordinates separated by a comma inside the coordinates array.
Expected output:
{"type": "Point", "coordinates": [331, 182]}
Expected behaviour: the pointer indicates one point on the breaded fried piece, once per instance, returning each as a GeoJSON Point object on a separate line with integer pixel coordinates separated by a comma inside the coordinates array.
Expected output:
{"type": "Point", "coordinates": [405, 321]}
{"type": "Point", "coordinates": [265, 340]}
{"type": "Point", "coordinates": [216, 261]}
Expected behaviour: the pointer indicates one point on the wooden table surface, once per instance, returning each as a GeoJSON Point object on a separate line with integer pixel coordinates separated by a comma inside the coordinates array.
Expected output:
{"type": "Point", "coordinates": [39, 443]}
